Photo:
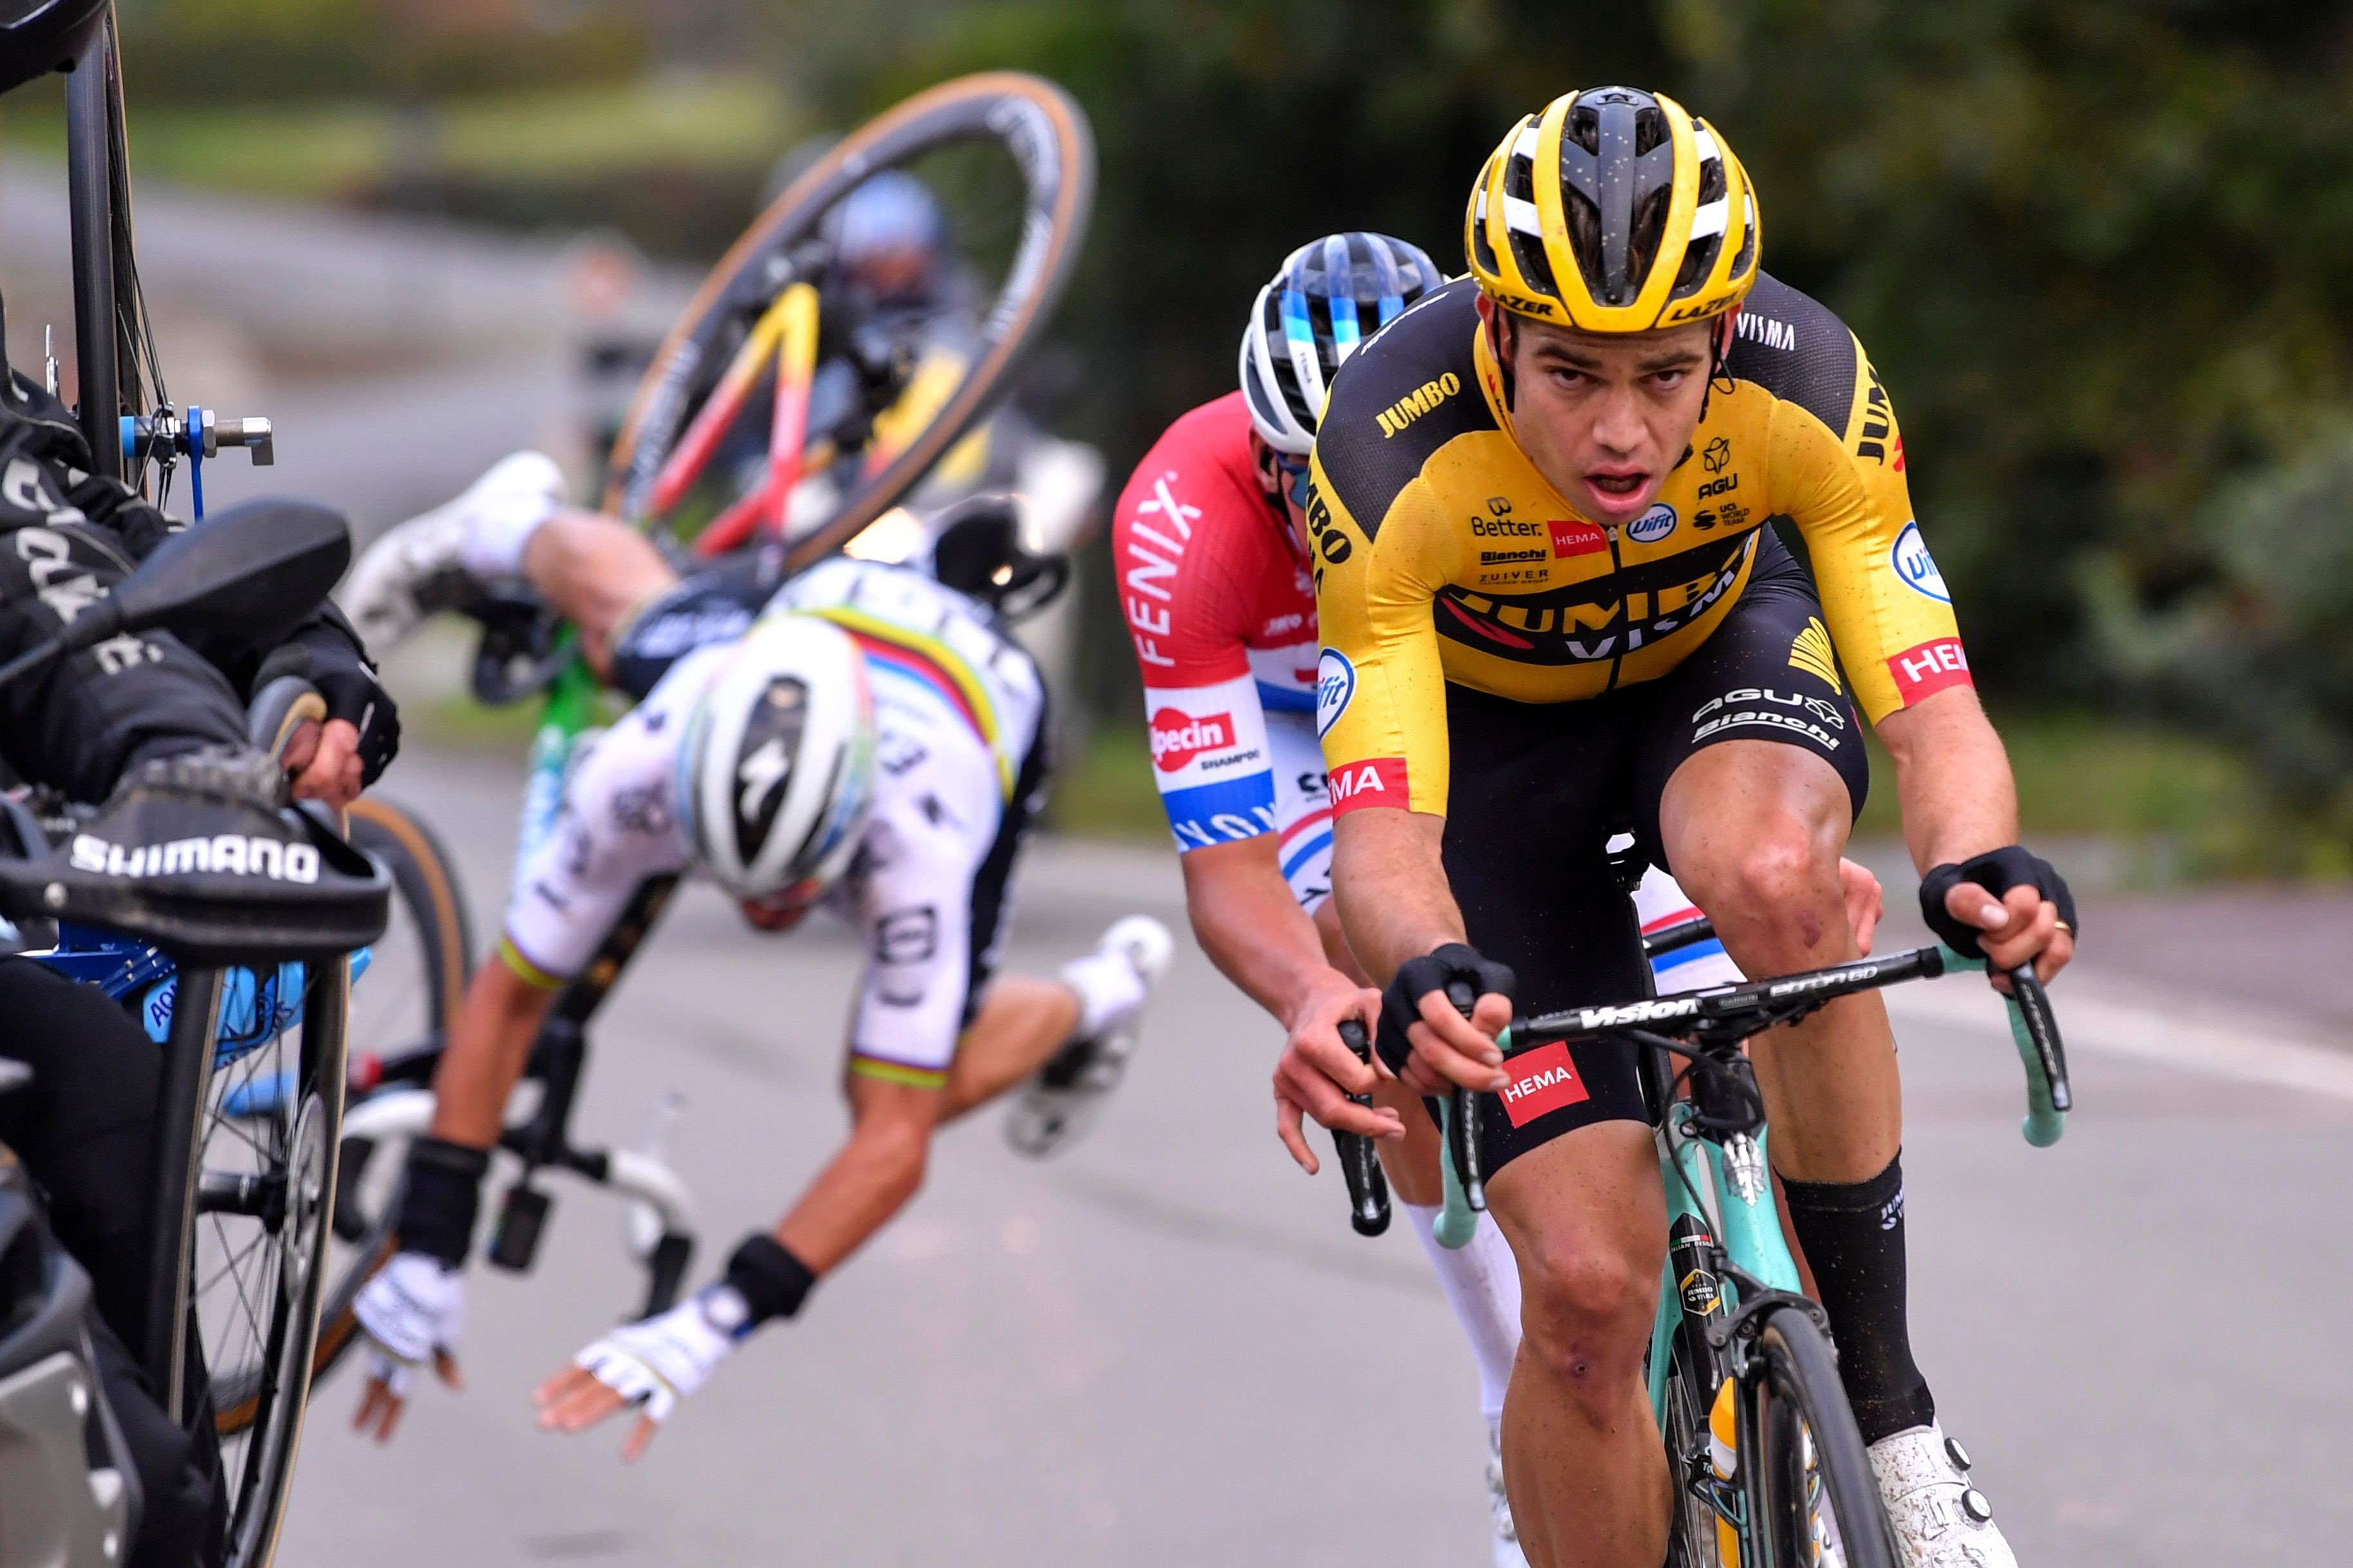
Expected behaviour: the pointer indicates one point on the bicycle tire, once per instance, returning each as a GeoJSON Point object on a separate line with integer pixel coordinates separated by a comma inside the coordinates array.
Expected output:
{"type": "Point", "coordinates": [1796, 1403]}
{"type": "Point", "coordinates": [425, 884]}
{"type": "Point", "coordinates": [274, 1264]}
{"type": "Point", "coordinates": [1046, 134]}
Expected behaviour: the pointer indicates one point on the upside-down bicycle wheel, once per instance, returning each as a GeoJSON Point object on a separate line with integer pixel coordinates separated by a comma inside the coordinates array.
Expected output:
{"type": "Point", "coordinates": [1017, 151]}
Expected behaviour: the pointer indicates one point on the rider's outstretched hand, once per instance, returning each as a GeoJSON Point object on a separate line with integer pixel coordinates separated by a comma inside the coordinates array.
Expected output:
{"type": "Point", "coordinates": [1863, 906]}
{"type": "Point", "coordinates": [2011, 905]}
{"type": "Point", "coordinates": [412, 1311]}
{"type": "Point", "coordinates": [1426, 1040]}
{"type": "Point", "coordinates": [1318, 1072]}
{"type": "Point", "coordinates": [650, 1365]}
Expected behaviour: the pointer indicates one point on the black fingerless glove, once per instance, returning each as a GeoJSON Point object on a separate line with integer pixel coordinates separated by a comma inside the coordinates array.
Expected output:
{"type": "Point", "coordinates": [1418, 977]}
{"type": "Point", "coordinates": [348, 687]}
{"type": "Point", "coordinates": [1997, 872]}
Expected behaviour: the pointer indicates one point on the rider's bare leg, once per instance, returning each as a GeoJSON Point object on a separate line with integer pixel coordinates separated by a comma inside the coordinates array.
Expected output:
{"type": "Point", "coordinates": [1023, 1020]}
{"type": "Point", "coordinates": [1583, 1461]}
{"type": "Point", "coordinates": [595, 571]}
{"type": "Point", "coordinates": [1753, 829]}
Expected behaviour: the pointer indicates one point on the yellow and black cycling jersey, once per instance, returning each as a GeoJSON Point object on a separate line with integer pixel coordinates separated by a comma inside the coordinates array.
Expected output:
{"type": "Point", "coordinates": [1443, 556]}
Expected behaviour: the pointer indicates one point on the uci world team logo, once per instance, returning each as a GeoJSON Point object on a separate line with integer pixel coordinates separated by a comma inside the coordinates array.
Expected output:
{"type": "Point", "coordinates": [1916, 566]}
{"type": "Point", "coordinates": [1335, 683]}
{"type": "Point", "coordinates": [1652, 525]}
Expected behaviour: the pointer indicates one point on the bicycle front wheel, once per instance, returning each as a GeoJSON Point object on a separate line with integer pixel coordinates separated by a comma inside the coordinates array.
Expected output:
{"type": "Point", "coordinates": [266, 1185]}
{"type": "Point", "coordinates": [1811, 1489]}
{"type": "Point", "coordinates": [1011, 161]}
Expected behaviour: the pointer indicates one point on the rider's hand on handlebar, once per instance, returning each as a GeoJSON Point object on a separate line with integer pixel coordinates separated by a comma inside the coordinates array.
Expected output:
{"type": "Point", "coordinates": [1427, 1041]}
{"type": "Point", "coordinates": [2014, 906]}
{"type": "Point", "coordinates": [1318, 1072]}
{"type": "Point", "coordinates": [325, 760]}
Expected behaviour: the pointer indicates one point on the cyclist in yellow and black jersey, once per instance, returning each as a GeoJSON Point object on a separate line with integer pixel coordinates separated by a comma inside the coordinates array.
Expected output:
{"type": "Point", "coordinates": [1535, 604]}
{"type": "Point", "coordinates": [1552, 612]}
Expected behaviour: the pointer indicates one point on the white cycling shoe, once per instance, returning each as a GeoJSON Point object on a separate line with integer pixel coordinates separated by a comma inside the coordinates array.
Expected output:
{"type": "Point", "coordinates": [1941, 1521]}
{"type": "Point", "coordinates": [1061, 1101]}
{"type": "Point", "coordinates": [421, 565]}
{"type": "Point", "coordinates": [1499, 1509]}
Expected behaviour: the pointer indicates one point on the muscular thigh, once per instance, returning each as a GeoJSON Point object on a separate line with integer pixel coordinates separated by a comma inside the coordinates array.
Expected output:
{"type": "Point", "coordinates": [1533, 795]}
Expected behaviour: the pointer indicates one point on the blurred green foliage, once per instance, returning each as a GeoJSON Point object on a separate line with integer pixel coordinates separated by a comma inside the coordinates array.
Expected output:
{"type": "Point", "coordinates": [2096, 247]}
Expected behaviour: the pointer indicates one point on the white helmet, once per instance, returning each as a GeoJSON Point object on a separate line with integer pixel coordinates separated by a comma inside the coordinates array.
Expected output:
{"type": "Point", "coordinates": [777, 767]}
{"type": "Point", "coordinates": [1330, 296]}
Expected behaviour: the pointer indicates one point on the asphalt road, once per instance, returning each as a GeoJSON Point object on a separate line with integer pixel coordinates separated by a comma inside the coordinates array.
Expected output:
{"type": "Point", "coordinates": [1167, 1347]}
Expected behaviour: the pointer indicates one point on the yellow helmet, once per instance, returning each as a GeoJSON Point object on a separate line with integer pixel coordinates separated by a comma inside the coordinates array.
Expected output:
{"type": "Point", "coordinates": [1616, 210]}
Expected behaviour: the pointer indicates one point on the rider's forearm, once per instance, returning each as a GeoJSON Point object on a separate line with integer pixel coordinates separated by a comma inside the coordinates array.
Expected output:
{"type": "Point", "coordinates": [1952, 779]}
{"type": "Point", "coordinates": [1389, 880]}
{"type": "Point", "coordinates": [869, 1181]}
{"type": "Point", "coordinates": [1251, 925]}
{"type": "Point", "coordinates": [488, 1045]}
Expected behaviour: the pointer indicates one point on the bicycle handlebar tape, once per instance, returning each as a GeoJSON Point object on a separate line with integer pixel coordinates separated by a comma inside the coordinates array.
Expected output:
{"type": "Point", "coordinates": [440, 1198]}
{"type": "Point", "coordinates": [1997, 872]}
{"type": "Point", "coordinates": [1433, 971]}
{"type": "Point", "coordinates": [772, 1281]}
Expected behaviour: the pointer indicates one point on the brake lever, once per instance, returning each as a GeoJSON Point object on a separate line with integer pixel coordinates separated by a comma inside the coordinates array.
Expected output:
{"type": "Point", "coordinates": [1368, 1189]}
{"type": "Point", "coordinates": [2043, 1029]}
{"type": "Point", "coordinates": [1462, 1127]}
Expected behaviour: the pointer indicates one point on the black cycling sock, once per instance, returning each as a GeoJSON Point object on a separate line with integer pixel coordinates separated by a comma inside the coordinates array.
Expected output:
{"type": "Point", "coordinates": [1853, 1237]}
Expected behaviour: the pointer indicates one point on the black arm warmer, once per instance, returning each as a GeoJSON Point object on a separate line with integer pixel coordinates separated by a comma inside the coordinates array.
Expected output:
{"type": "Point", "coordinates": [772, 1281]}
{"type": "Point", "coordinates": [443, 1194]}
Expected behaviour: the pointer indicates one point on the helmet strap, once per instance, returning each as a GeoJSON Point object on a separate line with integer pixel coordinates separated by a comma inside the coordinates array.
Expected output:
{"type": "Point", "coordinates": [1719, 352]}
{"type": "Point", "coordinates": [1491, 315]}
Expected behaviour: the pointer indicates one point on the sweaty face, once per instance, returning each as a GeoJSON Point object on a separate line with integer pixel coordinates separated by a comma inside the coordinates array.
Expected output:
{"type": "Point", "coordinates": [1603, 416]}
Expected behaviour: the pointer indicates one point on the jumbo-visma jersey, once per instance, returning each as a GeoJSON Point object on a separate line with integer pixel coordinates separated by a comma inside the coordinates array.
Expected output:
{"type": "Point", "coordinates": [1442, 554]}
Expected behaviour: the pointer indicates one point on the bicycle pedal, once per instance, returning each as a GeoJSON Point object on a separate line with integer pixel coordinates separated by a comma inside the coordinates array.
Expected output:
{"type": "Point", "coordinates": [522, 1214]}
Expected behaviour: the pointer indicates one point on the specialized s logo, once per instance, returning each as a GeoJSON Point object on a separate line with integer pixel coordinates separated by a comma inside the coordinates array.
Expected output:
{"type": "Point", "coordinates": [1912, 562]}
{"type": "Point", "coordinates": [1178, 737]}
{"type": "Point", "coordinates": [1416, 403]}
{"type": "Point", "coordinates": [1377, 781]}
{"type": "Point", "coordinates": [1336, 683]}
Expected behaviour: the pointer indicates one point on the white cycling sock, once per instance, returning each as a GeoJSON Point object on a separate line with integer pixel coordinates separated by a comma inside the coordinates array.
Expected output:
{"type": "Point", "coordinates": [1106, 985]}
{"type": "Point", "coordinates": [1481, 1282]}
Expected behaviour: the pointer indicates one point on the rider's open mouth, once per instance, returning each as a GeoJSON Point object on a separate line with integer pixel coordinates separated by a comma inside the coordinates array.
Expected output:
{"type": "Point", "coordinates": [1616, 482]}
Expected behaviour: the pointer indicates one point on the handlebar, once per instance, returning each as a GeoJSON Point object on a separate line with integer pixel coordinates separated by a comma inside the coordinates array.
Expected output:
{"type": "Point", "coordinates": [1721, 1019]}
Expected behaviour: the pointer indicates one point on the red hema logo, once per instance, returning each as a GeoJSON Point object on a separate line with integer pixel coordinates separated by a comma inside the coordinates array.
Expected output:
{"type": "Point", "coordinates": [1931, 667]}
{"type": "Point", "coordinates": [1377, 781]}
{"type": "Point", "coordinates": [1570, 537]}
{"type": "Point", "coordinates": [1542, 1079]}
{"type": "Point", "coordinates": [1178, 737]}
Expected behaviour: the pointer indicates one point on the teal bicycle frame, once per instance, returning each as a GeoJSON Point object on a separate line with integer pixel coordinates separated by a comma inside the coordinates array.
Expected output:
{"type": "Point", "coordinates": [1720, 1200]}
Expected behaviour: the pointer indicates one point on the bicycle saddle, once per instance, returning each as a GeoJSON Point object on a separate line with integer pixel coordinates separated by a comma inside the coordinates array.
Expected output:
{"type": "Point", "coordinates": [195, 855]}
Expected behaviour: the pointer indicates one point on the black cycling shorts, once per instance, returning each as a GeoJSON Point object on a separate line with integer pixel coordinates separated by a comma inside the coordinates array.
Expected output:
{"type": "Point", "coordinates": [716, 605]}
{"type": "Point", "coordinates": [1538, 790]}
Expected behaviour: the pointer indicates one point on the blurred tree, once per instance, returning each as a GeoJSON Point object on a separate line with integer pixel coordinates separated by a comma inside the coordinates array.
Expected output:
{"type": "Point", "coordinates": [2096, 247]}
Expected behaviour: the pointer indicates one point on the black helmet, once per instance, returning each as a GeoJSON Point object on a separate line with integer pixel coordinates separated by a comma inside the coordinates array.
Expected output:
{"type": "Point", "coordinates": [38, 36]}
